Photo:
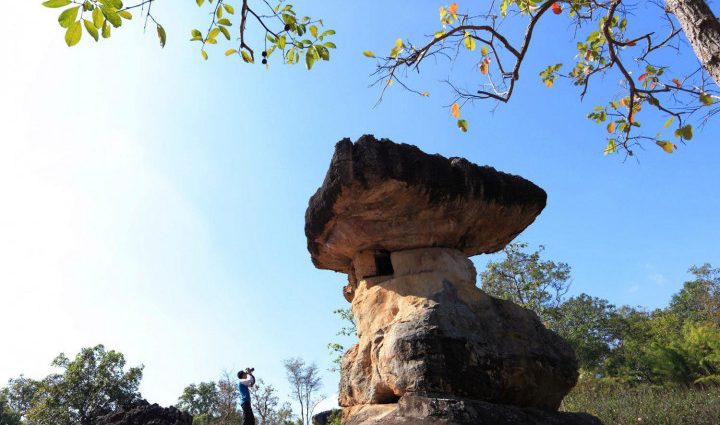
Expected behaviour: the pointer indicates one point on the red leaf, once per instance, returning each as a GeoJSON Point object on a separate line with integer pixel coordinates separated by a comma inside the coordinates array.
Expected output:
{"type": "Point", "coordinates": [642, 77]}
{"type": "Point", "coordinates": [556, 8]}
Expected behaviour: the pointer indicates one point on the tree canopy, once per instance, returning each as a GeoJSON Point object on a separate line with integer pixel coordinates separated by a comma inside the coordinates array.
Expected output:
{"type": "Point", "coordinates": [612, 42]}
{"type": "Point", "coordinates": [679, 344]}
{"type": "Point", "coordinates": [92, 384]}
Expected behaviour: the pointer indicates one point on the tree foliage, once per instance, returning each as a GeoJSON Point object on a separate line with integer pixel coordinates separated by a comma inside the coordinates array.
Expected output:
{"type": "Point", "coordinates": [679, 344]}
{"type": "Point", "coordinates": [527, 280]}
{"type": "Point", "coordinates": [699, 299]}
{"type": "Point", "coordinates": [8, 416]}
{"type": "Point", "coordinates": [200, 400]}
{"type": "Point", "coordinates": [610, 42]}
{"type": "Point", "coordinates": [298, 39]}
{"type": "Point", "coordinates": [94, 383]}
{"type": "Point", "coordinates": [348, 329]}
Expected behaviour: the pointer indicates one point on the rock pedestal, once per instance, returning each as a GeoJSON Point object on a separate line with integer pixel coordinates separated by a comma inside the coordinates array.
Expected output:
{"type": "Point", "coordinates": [433, 348]}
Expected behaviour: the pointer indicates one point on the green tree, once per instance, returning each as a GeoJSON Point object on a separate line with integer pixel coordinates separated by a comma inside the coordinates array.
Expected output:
{"type": "Point", "coordinates": [8, 416]}
{"type": "Point", "coordinates": [20, 393]}
{"type": "Point", "coordinates": [611, 42]}
{"type": "Point", "coordinates": [201, 401]}
{"type": "Point", "coordinates": [347, 329]}
{"type": "Point", "coordinates": [699, 299]}
{"type": "Point", "coordinates": [523, 278]}
{"type": "Point", "coordinates": [94, 383]}
{"type": "Point", "coordinates": [589, 324]}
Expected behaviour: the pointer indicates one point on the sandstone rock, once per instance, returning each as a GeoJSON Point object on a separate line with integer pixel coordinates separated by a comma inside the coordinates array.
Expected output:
{"type": "Point", "coordinates": [382, 196]}
{"type": "Point", "coordinates": [418, 410]}
{"type": "Point", "coordinates": [433, 348]}
{"type": "Point", "coordinates": [144, 413]}
{"type": "Point", "coordinates": [428, 330]}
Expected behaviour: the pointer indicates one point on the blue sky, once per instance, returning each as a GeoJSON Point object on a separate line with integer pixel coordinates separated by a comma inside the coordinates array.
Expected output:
{"type": "Point", "coordinates": [155, 202]}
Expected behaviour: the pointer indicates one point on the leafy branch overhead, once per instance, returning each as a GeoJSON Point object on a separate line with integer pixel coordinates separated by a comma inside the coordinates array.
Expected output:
{"type": "Point", "coordinates": [296, 39]}
{"type": "Point", "coordinates": [611, 42]}
{"type": "Point", "coordinates": [611, 45]}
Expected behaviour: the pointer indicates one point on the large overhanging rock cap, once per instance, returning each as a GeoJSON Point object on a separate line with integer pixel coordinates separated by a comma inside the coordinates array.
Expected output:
{"type": "Point", "coordinates": [383, 196]}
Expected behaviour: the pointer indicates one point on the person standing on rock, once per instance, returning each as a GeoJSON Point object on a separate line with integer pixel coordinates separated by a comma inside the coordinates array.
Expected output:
{"type": "Point", "coordinates": [247, 380]}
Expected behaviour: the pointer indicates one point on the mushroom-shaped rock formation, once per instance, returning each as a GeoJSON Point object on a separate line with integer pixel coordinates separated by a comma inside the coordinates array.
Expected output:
{"type": "Point", "coordinates": [401, 224]}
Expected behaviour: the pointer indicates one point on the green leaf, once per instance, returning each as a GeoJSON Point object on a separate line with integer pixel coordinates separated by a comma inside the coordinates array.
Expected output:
{"type": "Point", "coordinates": [224, 21]}
{"type": "Point", "coordinates": [229, 52]}
{"type": "Point", "coordinates": [90, 27]}
{"type": "Point", "coordinates": [462, 125]}
{"type": "Point", "coordinates": [310, 58]}
{"type": "Point", "coordinates": [313, 31]}
{"type": "Point", "coordinates": [225, 32]}
{"type": "Point", "coordinates": [246, 56]}
{"type": "Point", "coordinates": [73, 34]}
{"type": "Point", "coordinates": [117, 4]}
{"type": "Point", "coordinates": [56, 3]}
{"type": "Point", "coordinates": [98, 18]}
{"type": "Point", "coordinates": [204, 54]}
{"type": "Point", "coordinates": [611, 147]}
{"type": "Point", "coordinates": [161, 35]}
{"type": "Point", "coordinates": [281, 42]}
{"type": "Point", "coordinates": [668, 122]}
{"type": "Point", "coordinates": [200, 3]}
{"type": "Point", "coordinates": [229, 9]}
{"type": "Point", "coordinates": [106, 30]}
{"type": "Point", "coordinates": [687, 132]}
{"type": "Point", "coordinates": [68, 16]}
{"type": "Point", "coordinates": [213, 34]}
{"type": "Point", "coordinates": [706, 99]}
{"type": "Point", "coordinates": [125, 14]}
{"type": "Point", "coordinates": [196, 33]}
{"type": "Point", "coordinates": [111, 15]}
{"type": "Point", "coordinates": [484, 51]}
{"type": "Point", "coordinates": [330, 45]}
{"type": "Point", "coordinates": [323, 52]}
{"type": "Point", "coordinates": [369, 54]}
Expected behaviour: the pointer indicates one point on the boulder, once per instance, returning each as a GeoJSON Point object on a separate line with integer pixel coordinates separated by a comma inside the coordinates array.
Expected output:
{"type": "Point", "coordinates": [144, 413]}
{"type": "Point", "coordinates": [428, 330]}
{"type": "Point", "coordinates": [379, 195]}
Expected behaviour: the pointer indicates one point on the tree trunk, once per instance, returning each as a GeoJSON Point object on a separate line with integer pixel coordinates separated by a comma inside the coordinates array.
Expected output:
{"type": "Point", "coordinates": [702, 29]}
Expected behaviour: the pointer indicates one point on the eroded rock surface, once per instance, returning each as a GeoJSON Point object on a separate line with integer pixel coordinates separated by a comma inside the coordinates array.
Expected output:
{"type": "Point", "coordinates": [379, 195]}
{"type": "Point", "coordinates": [418, 410]}
{"type": "Point", "coordinates": [428, 330]}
